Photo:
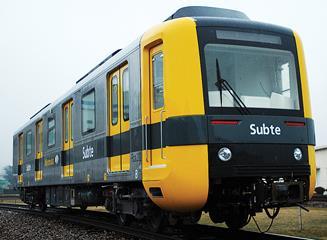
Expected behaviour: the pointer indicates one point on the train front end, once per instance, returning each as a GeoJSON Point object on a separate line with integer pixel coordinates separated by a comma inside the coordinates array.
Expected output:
{"type": "Point", "coordinates": [260, 131]}
{"type": "Point", "coordinates": [235, 134]}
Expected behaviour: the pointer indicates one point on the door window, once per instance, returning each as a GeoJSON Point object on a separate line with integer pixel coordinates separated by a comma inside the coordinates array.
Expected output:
{"type": "Point", "coordinates": [114, 100]}
{"type": "Point", "coordinates": [157, 75]}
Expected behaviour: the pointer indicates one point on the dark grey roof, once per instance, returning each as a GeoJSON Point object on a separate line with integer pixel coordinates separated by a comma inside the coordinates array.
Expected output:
{"type": "Point", "coordinates": [199, 11]}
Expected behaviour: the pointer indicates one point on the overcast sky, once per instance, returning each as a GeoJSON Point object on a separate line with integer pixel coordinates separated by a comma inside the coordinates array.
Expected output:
{"type": "Point", "coordinates": [45, 46]}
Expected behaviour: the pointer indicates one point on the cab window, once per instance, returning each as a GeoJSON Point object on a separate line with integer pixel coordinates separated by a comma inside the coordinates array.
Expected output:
{"type": "Point", "coordinates": [157, 75]}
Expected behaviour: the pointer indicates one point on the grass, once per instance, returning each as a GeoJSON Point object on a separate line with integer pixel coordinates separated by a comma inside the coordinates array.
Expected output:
{"type": "Point", "coordinates": [314, 223]}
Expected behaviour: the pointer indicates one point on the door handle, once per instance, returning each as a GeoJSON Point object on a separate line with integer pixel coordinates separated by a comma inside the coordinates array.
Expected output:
{"type": "Point", "coordinates": [161, 134]}
{"type": "Point", "coordinates": [146, 137]}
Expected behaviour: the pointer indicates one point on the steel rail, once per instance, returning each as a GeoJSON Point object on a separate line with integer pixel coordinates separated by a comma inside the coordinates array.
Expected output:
{"type": "Point", "coordinates": [103, 220]}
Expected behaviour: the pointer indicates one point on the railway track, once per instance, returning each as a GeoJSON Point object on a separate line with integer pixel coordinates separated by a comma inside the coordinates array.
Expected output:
{"type": "Point", "coordinates": [106, 221]}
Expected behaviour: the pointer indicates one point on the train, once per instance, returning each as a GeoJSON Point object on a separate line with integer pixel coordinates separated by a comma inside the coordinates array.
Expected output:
{"type": "Point", "coordinates": [208, 111]}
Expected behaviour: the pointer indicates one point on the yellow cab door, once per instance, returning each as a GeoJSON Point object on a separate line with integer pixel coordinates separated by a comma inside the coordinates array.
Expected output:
{"type": "Point", "coordinates": [157, 108]}
{"type": "Point", "coordinates": [119, 120]}
{"type": "Point", "coordinates": [68, 141]}
{"type": "Point", "coordinates": [38, 148]}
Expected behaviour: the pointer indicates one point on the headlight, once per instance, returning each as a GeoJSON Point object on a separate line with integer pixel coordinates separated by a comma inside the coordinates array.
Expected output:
{"type": "Point", "coordinates": [297, 154]}
{"type": "Point", "coordinates": [225, 154]}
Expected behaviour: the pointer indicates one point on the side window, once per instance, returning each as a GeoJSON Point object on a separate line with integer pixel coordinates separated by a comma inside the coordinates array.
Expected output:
{"type": "Point", "coordinates": [114, 100]}
{"type": "Point", "coordinates": [157, 75]}
{"type": "Point", "coordinates": [88, 112]}
{"type": "Point", "coordinates": [21, 146]}
{"type": "Point", "coordinates": [51, 132]}
{"type": "Point", "coordinates": [28, 142]}
{"type": "Point", "coordinates": [126, 94]}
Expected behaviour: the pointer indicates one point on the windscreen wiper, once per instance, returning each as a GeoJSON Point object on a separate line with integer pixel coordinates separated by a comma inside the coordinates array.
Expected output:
{"type": "Point", "coordinates": [223, 84]}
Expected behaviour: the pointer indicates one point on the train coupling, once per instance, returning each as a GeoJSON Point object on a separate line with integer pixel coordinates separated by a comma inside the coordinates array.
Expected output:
{"type": "Point", "coordinates": [287, 192]}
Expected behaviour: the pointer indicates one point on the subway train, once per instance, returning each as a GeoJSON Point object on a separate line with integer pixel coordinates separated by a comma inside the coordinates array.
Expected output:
{"type": "Point", "coordinates": [207, 111]}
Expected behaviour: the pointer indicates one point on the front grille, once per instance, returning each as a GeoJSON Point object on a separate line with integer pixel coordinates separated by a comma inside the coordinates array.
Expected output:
{"type": "Point", "coordinates": [287, 170]}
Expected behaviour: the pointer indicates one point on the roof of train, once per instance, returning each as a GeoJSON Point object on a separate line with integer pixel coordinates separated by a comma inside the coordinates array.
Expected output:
{"type": "Point", "coordinates": [203, 16]}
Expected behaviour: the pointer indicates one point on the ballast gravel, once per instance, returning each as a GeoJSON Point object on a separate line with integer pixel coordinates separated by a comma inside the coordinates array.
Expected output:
{"type": "Point", "coordinates": [17, 225]}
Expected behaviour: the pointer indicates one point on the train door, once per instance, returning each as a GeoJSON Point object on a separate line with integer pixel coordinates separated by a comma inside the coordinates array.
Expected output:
{"type": "Point", "coordinates": [114, 122]}
{"type": "Point", "coordinates": [124, 119]}
{"type": "Point", "coordinates": [157, 107]}
{"type": "Point", "coordinates": [38, 150]}
{"type": "Point", "coordinates": [20, 157]}
{"type": "Point", "coordinates": [68, 141]}
{"type": "Point", "coordinates": [118, 99]}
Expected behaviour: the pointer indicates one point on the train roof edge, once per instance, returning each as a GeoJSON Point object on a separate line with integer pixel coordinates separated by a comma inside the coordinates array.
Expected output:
{"type": "Point", "coordinates": [201, 11]}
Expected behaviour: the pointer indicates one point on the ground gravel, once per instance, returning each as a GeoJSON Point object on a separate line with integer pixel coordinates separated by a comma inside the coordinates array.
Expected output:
{"type": "Point", "coordinates": [17, 225]}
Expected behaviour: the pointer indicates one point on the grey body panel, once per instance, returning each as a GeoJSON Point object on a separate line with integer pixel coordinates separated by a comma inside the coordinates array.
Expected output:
{"type": "Point", "coordinates": [91, 170]}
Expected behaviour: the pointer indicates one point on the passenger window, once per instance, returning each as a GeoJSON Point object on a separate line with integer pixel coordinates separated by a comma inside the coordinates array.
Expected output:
{"type": "Point", "coordinates": [88, 112]}
{"type": "Point", "coordinates": [157, 74]}
{"type": "Point", "coordinates": [29, 142]}
{"type": "Point", "coordinates": [114, 100]}
{"type": "Point", "coordinates": [126, 94]}
{"type": "Point", "coordinates": [66, 124]}
{"type": "Point", "coordinates": [51, 132]}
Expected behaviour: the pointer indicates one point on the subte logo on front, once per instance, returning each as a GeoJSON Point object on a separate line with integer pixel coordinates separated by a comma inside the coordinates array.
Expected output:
{"type": "Point", "coordinates": [265, 130]}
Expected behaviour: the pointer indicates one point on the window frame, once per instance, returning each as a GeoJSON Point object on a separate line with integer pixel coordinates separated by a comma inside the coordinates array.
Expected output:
{"type": "Point", "coordinates": [82, 118]}
{"type": "Point", "coordinates": [29, 132]}
{"type": "Point", "coordinates": [50, 129]}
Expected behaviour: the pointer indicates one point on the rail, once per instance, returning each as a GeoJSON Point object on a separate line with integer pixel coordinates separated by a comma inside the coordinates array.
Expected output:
{"type": "Point", "coordinates": [103, 220]}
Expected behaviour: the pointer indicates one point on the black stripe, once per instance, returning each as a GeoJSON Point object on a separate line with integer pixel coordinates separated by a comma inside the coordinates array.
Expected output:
{"type": "Point", "coordinates": [190, 130]}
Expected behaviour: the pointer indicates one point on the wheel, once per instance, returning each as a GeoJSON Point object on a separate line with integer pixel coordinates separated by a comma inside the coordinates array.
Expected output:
{"type": "Point", "coordinates": [124, 219]}
{"type": "Point", "coordinates": [31, 205]}
{"type": "Point", "coordinates": [42, 206]}
{"type": "Point", "coordinates": [237, 219]}
{"type": "Point", "coordinates": [216, 216]}
{"type": "Point", "coordinates": [83, 207]}
{"type": "Point", "coordinates": [154, 221]}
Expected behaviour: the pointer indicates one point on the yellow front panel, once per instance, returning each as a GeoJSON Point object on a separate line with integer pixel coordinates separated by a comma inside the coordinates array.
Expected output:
{"type": "Point", "coordinates": [304, 78]}
{"type": "Point", "coordinates": [183, 175]}
{"type": "Point", "coordinates": [184, 181]}
{"type": "Point", "coordinates": [312, 162]}
{"type": "Point", "coordinates": [307, 109]}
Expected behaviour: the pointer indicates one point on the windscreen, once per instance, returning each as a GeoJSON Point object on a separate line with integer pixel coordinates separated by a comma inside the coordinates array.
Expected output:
{"type": "Point", "coordinates": [261, 77]}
